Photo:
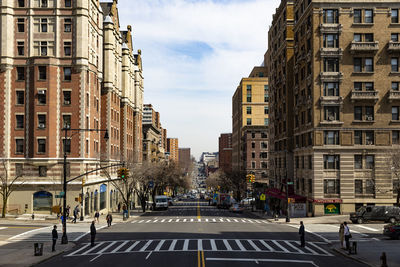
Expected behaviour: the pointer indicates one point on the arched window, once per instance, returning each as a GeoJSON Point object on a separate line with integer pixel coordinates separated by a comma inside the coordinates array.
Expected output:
{"type": "Point", "coordinates": [103, 191]}
{"type": "Point", "coordinates": [42, 201]}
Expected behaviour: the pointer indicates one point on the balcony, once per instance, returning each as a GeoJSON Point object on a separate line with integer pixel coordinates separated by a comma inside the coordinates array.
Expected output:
{"type": "Point", "coordinates": [394, 95]}
{"type": "Point", "coordinates": [331, 76]}
{"type": "Point", "coordinates": [364, 95]}
{"type": "Point", "coordinates": [331, 52]}
{"type": "Point", "coordinates": [364, 47]}
{"type": "Point", "coordinates": [330, 28]}
{"type": "Point", "coordinates": [394, 47]}
{"type": "Point", "coordinates": [331, 100]}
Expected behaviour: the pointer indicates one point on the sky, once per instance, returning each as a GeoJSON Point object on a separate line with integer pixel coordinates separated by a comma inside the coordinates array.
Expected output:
{"type": "Point", "coordinates": [194, 54]}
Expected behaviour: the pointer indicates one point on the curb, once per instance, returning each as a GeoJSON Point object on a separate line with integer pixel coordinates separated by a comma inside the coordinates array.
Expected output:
{"type": "Point", "coordinates": [54, 255]}
{"type": "Point", "coordinates": [345, 254]}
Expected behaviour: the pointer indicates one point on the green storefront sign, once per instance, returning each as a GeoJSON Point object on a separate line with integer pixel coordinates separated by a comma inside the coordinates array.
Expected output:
{"type": "Point", "coordinates": [332, 208]}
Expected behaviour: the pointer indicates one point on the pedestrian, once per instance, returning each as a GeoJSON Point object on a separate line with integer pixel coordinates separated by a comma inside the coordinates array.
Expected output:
{"type": "Point", "coordinates": [92, 233]}
{"type": "Point", "coordinates": [96, 216]}
{"type": "Point", "coordinates": [347, 235]}
{"type": "Point", "coordinates": [67, 212]}
{"type": "Point", "coordinates": [341, 235]}
{"type": "Point", "coordinates": [109, 219]}
{"type": "Point", "coordinates": [302, 233]}
{"type": "Point", "coordinates": [119, 207]}
{"type": "Point", "coordinates": [75, 215]}
{"type": "Point", "coordinates": [54, 237]}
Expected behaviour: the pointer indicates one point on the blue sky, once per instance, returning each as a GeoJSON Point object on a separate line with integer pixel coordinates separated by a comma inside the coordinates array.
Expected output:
{"type": "Point", "coordinates": [194, 54]}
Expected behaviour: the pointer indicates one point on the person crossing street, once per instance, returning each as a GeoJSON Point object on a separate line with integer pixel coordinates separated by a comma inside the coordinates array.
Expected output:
{"type": "Point", "coordinates": [92, 234]}
{"type": "Point", "coordinates": [302, 234]}
{"type": "Point", "coordinates": [54, 237]}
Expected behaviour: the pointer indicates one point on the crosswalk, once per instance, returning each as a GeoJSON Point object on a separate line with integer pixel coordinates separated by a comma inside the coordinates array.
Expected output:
{"type": "Point", "coordinates": [207, 245]}
{"type": "Point", "coordinates": [200, 220]}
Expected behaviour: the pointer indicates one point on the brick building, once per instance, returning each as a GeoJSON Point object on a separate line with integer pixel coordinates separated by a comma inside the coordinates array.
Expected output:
{"type": "Point", "coordinates": [225, 152]}
{"type": "Point", "coordinates": [173, 149]}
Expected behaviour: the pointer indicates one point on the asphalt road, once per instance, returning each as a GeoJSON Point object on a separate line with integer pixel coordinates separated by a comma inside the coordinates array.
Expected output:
{"type": "Point", "coordinates": [194, 234]}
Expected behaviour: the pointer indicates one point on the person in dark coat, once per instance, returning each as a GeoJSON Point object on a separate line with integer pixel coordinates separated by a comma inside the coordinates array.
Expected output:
{"type": "Point", "coordinates": [75, 215]}
{"type": "Point", "coordinates": [92, 233]}
{"type": "Point", "coordinates": [109, 219]}
{"type": "Point", "coordinates": [54, 237]}
{"type": "Point", "coordinates": [302, 233]}
{"type": "Point", "coordinates": [119, 207]}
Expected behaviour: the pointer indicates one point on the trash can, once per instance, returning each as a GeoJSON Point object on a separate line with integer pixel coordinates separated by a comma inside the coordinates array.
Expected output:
{"type": "Point", "coordinates": [38, 247]}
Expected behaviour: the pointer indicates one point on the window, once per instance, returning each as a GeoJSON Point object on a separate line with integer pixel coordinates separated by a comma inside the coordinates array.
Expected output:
{"type": "Point", "coordinates": [395, 64]}
{"type": "Point", "coordinates": [41, 121]}
{"type": "Point", "coordinates": [357, 64]}
{"type": "Point", "coordinates": [253, 165]}
{"type": "Point", "coordinates": [43, 25]}
{"type": "Point", "coordinates": [395, 86]}
{"type": "Point", "coordinates": [369, 113]}
{"type": "Point", "coordinates": [19, 146]}
{"type": "Point", "coordinates": [21, 3]}
{"type": "Point", "coordinates": [19, 97]}
{"type": "Point", "coordinates": [395, 137]}
{"type": "Point", "coordinates": [42, 72]}
{"type": "Point", "coordinates": [331, 64]}
{"type": "Point", "coordinates": [253, 135]}
{"type": "Point", "coordinates": [332, 162]}
{"type": "Point", "coordinates": [20, 48]}
{"type": "Point", "coordinates": [253, 145]}
{"type": "Point", "coordinates": [357, 37]}
{"type": "Point", "coordinates": [368, 16]}
{"type": "Point", "coordinates": [19, 121]}
{"type": "Point", "coordinates": [358, 86]}
{"type": "Point", "coordinates": [266, 110]}
{"type": "Point", "coordinates": [394, 37]}
{"type": "Point", "coordinates": [331, 137]}
{"type": "Point", "coordinates": [21, 25]}
{"type": "Point", "coordinates": [369, 161]}
{"type": "Point", "coordinates": [358, 138]}
{"type": "Point", "coordinates": [395, 16]}
{"type": "Point", "coordinates": [253, 155]}
{"type": "Point", "coordinates": [248, 122]}
{"type": "Point", "coordinates": [248, 110]}
{"type": "Point", "coordinates": [67, 25]}
{"type": "Point", "coordinates": [331, 40]}
{"type": "Point", "coordinates": [67, 145]}
{"type": "Point", "coordinates": [67, 97]}
{"type": "Point", "coordinates": [264, 145]}
{"type": "Point", "coordinates": [331, 113]}
{"type": "Point", "coordinates": [20, 73]}
{"type": "Point", "coordinates": [331, 16]}
{"type": "Point", "coordinates": [19, 169]}
{"type": "Point", "coordinates": [41, 96]}
{"type": "Point", "coordinates": [358, 162]}
{"type": "Point", "coordinates": [42, 171]}
{"type": "Point", "coordinates": [67, 121]}
{"type": "Point", "coordinates": [67, 73]}
{"type": "Point", "coordinates": [67, 49]}
{"type": "Point", "coordinates": [248, 93]}
{"type": "Point", "coordinates": [310, 189]}
{"type": "Point", "coordinates": [369, 86]}
{"type": "Point", "coordinates": [331, 186]}
{"type": "Point", "coordinates": [357, 16]}
{"type": "Point", "coordinates": [395, 113]}
{"type": "Point", "coordinates": [369, 37]}
{"type": "Point", "coordinates": [41, 145]}
{"type": "Point", "coordinates": [369, 65]}
{"type": "Point", "coordinates": [369, 186]}
{"type": "Point", "coordinates": [266, 88]}
{"type": "Point", "coordinates": [43, 48]}
{"type": "Point", "coordinates": [357, 113]}
{"type": "Point", "coordinates": [43, 3]}
{"type": "Point", "coordinates": [369, 137]}
{"type": "Point", "coordinates": [358, 186]}
{"type": "Point", "coordinates": [264, 135]}
{"type": "Point", "coordinates": [68, 3]}
{"type": "Point", "coordinates": [266, 121]}
{"type": "Point", "coordinates": [331, 89]}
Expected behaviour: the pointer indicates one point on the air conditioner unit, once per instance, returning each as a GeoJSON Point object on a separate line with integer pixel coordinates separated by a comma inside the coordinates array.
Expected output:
{"type": "Point", "coordinates": [370, 143]}
{"type": "Point", "coordinates": [67, 102]}
{"type": "Point", "coordinates": [370, 118]}
{"type": "Point", "coordinates": [331, 118]}
{"type": "Point", "coordinates": [41, 92]}
{"type": "Point", "coordinates": [42, 125]}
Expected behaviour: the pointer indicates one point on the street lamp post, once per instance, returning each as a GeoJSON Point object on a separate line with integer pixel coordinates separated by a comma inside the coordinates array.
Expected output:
{"type": "Point", "coordinates": [64, 238]}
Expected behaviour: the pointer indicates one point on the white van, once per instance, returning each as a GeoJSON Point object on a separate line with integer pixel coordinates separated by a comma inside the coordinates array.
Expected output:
{"type": "Point", "coordinates": [161, 202]}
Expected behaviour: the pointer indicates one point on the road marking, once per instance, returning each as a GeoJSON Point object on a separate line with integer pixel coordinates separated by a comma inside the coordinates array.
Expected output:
{"type": "Point", "coordinates": [177, 220]}
{"type": "Point", "coordinates": [307, 248]}
{"type": "Point", "coordinates": [267, 246]}
{"type": "Point", "coordinates": [262, 260]}
{"type": "Point", "coordinates": [235, 220]}
{"type": "Point", "coordinates": [202, 259]}
{"type": "Point", "coordinates": [159, 245]}
{"type": "Point", "coordinates": [28, 232]}
{"type": "Point", "coordinates": [206, 220]}
{"type": "Point", "coordinates": [79, 250]}
{"type": "Point", "coordinates": [323, 250]}
{"type": "Point", "coordinates": [148, 221]}
{"type": "Point", "coordinates": [163, 220]}
{"type": "Point", "coordinates": [200, 244]}
{"type": "Point", "coordinates": [241, 247]}
{"type": "Point", "coordinates": [199, 220]}
{"type": "Point", "coordinates": [213, 245]}
{"type": "Point", "coordinates": [184, 220]}
{"type": "Point", "coordinates": [120, 246]}
{"type": "Point", "coordinates": [293, 247]}
{"type": "Point", "coordinates": [368, 228]}
{"type": "Point", "coordinates": [279, 245]}
{"type": "Point", "coordinates": [214, 220]}
{"type": "Point", "coordinates": [146, 245]}
{"type": "Point", "coordinates": [132, 246]}
{"type": "Point", "coordinates": [140, 221]}
{"type": "Point", "coordinates": [172, 246]}
{"type": "Point", "coordinates": [170, 220]}
{"type": "Point", "coordinates": [107, 247]}
{"type": "Point", "coordinates": [191, 220]}
{"type": "Point", "coordinates": [243, 220]}
{"type": "Point", "coordinates": [98, 256]}
{"type": "Point", "coordinates": [228, 247]}
{"type": "Point", "coordinates": [253, 245]}
{"type": "Point", "coordinates": [185, 245]}
{"type": "Point", "coordinates": [198, 209]}
{"type": "Point", "coordinates": [148, 255]}
{"type": "Point", "coordinates": [91, 249]}
{"type": "Point", "coordinates": [155, 221]}
{"type": "Point", "coordinates": [221, 219]}
{"type": "Point", "coordinates": [1, 228]}
{"type": "Point", "coordinates": [228, 220]}
{"type": "Point", "coordinates": [82, 235]}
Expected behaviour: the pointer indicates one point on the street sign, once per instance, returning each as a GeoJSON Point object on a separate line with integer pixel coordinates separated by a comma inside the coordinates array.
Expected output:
{"type": "Point", "coordinates": [262, 197]}
{"type": "Point", "coordinates": [58, 196]}
{"type": "Point", "coordinates": [289, 183]}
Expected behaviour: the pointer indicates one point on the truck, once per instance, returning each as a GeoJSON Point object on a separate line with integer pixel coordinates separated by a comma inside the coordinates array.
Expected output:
{"type": "Point", "coordinates": [224, 201]}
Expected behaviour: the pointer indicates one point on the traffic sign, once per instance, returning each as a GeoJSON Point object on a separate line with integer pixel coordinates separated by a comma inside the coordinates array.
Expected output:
{"type": "Point", "coordinates": [289, 183]}
{"type": "Point", "coordinates": [262, 197]}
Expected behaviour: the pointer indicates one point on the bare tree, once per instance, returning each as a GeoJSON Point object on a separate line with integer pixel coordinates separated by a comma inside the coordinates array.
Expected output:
{"type": "Point", "coordinates": [234, 181]}
{"type": "Point", "coordinates": [215, 179]}
{"type": "Point", "coordinates": [7, 185]}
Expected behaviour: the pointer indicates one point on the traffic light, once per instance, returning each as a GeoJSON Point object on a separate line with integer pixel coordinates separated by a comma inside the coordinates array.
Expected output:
{"type": "Point", "coordinates": [123, 173]}
{"type": "Point", "coordinates": [251, 178]}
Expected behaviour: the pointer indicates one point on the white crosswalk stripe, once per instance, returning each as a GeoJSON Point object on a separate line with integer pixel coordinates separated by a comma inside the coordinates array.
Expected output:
{"type": "Point", "coordinates": [208, 245]}
{"type": "Point", "coordinates": [192, 220]}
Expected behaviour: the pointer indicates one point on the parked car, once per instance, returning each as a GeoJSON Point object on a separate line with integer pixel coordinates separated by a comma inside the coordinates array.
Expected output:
{"type": "Point", "coordinates": [236, 208]}
{"type": "Point", "coordinates": [160, 202]}
{"type": "Point", "coordinates": [376, 213]}
{"type": "Point", "coordinates": [392, 231]}
{"type": "Point", "coordinates": [247, 200]}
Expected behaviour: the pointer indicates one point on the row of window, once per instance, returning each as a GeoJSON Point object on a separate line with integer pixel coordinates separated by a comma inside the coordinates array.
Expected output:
{"type": "Point", "coordinates": [249, 110]}
{"type": "Point", "coordinates": [360, 137]}
{"type": "Point", "coordinates": [360, 64]}
{"type": "Point", "coordinates": [332, 88]}
{"type": "Point", "coordinates": [359, 16]}
{"type": "Point", "coordinates": [44, 25]}
{"type": "Point", "coordinates": [42, 73]}
{"type": "Point", "coordinates": [263, 165]}
{"type": "Point", "coordinates": [266, 121]}
{"type": "Point", "coordinates": [43, 3]}
{"type": "Point", "coordinates": [262, 155]}
{"type": "Point", "coordinates": [42, 48]}
{"type": "Point", "coordinates": [332, 162]}
{"type": "Point", "coordinates": [248, 93]}
{"type": "Point", "coordinates": [263, 145]}
{"type": "Point", "coordinates": [361, 113]}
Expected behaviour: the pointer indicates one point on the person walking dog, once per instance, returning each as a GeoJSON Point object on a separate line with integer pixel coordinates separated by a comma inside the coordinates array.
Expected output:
{"type": "Point", "coordinates": [302, 234]}
{"type": "Point", "coordinates": [347, 235]}
{"type": "Point", "coordinates": [54, 235]}
{"type": "Point", "coordinates": [92, 233]}
{"type": "Point", "coordinates": [341, 235]}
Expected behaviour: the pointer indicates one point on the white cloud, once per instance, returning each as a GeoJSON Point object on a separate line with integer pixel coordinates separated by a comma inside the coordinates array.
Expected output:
{"type": "Point", "coordinates": [194, 55]}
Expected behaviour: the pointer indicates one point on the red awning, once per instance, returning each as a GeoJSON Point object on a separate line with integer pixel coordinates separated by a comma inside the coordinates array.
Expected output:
{"type": "Point", "coordinates": [275, 192]}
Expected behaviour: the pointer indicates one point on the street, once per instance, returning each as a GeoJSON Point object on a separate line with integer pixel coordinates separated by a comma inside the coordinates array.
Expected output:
{"type": "Point", "coordinates": [191, 233]}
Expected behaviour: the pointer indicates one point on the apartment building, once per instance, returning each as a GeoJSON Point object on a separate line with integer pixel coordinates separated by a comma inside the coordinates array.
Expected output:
{"type": "Point", "coordinates": [52, 72]}
{"type": "Point", "coordinates": [153, 135]}
{"type": "Point", "coordinates": [249, 108]}
{"type": "Point", "coordinates": [225, 152]}
{"type": "Point", "coordinates": [173, 149]}
{"type": "Point", "coordinates": [185, 160]}
{"type": "Point", "coordinates": [345, 103]}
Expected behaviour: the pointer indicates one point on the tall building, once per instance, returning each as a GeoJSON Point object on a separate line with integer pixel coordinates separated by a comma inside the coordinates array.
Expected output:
{"type": "Point", "coordinates": [225, 152]}
{"type": "Point", "coordinates": [249, 109]}
{"type": "Point", "coordinates": [345, 103]}
{"type": "Point", "coordinates": [173, 149]}
{"type": "Point", "coordinates": [184, 159]}
{"type": "Point", "coordinates": [153, 135]}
